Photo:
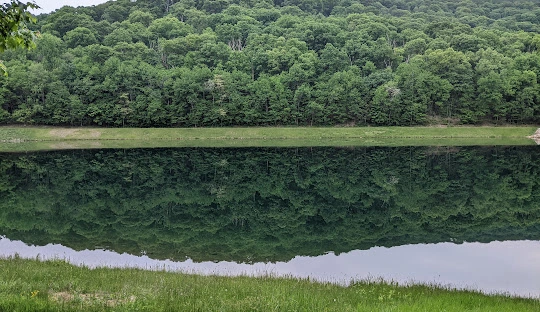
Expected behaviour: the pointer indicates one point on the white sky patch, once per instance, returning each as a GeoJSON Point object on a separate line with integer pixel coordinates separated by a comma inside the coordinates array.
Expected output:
{"type": "Point", "coordinates": [48, 6]}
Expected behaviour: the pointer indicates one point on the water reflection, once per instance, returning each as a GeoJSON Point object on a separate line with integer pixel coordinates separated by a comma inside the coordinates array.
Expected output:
{"type": "Point", "coordinates": [501, 267]}
{"type": "Point", "coordinates": [264, 205]}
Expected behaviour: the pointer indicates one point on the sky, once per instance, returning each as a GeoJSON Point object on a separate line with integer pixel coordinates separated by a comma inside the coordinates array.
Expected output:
{"type": "Point", "coordinates": [48, 6]}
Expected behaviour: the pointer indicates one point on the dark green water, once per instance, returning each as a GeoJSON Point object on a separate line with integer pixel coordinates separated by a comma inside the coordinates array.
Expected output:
{"type": "Point", "coordinates": [268, 204]}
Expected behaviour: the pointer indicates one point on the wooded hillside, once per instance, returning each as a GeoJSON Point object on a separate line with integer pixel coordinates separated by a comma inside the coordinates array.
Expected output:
{"type": "Point", "coordinates": [295, 62]}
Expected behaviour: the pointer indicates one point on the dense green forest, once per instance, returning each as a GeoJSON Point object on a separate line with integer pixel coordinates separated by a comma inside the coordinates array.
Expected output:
{"type": "Point", "coordinates": [268, 204]}
{"type": "Point", "coordinates": [190, 63]}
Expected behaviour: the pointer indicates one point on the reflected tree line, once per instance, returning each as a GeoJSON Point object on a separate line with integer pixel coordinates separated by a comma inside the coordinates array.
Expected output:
{"type": "Point", "coordinates": [268, 204]}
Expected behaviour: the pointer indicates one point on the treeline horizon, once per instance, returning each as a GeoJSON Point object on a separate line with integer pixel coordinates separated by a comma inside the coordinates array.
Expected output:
{"type": "Point", "coordinates": [268, 204]}
{"type": "Point", "coordinates": [209, 63]}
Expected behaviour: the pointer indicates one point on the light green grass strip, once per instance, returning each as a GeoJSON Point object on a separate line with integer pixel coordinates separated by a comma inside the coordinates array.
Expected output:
{"type": "Point", "coordinates": [29, 285]}
{"type": "Point", "coordinates": [46, 138]}
{"type": "Point", "coordinates": [88, 144]}
{"type": "Point", "coordinates": [45, 133]}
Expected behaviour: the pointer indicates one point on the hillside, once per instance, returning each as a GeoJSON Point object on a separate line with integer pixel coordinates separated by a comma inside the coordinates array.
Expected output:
{"type": "Point", "coordinates": [193, 63]}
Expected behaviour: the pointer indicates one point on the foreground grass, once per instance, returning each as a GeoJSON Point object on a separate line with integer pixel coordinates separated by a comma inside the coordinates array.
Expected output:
{"type": "Point", "coordinates": [46, 138]}
{"type": "Point", "coordinates": [30, 285]}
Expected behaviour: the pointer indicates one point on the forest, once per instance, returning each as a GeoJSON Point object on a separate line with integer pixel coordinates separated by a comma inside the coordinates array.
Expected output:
{"type": "Point", "coordinates": [268, 204]}
{"type": "Point", "coordinates": [211, 63]}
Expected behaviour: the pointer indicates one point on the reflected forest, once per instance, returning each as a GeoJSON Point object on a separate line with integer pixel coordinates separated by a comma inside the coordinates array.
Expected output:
{"type": "Point", "coordinates": [268, 204]}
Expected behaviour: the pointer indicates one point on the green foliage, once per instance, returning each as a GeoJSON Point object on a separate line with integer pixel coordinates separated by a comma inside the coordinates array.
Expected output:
{"type": "Point", "coordinates": [338, 62]}
{"type": "Point", "coordinates": [14, 20]}
{"type": "Point", "coordinates": [14, 32]}
{"type": "Point", "coordinates": [268, 204]}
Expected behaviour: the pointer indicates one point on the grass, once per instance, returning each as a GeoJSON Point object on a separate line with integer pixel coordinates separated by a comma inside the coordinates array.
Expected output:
{"type": "Point", "coordinates": [49, 138]}
{"type": "Point", "coordinates": [31, 285]}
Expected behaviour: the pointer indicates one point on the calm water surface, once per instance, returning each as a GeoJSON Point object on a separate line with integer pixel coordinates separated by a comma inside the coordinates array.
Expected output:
{"type": "Point", "coordinates": [466, 217]}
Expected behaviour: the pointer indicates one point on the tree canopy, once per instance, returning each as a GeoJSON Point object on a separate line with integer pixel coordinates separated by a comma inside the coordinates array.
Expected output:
{"type": "Point", "coordinates": [191, 63]}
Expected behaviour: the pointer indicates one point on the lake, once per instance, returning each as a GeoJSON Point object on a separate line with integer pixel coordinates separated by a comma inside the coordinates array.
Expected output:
{"type": "Point", "coordinates": [468, 217]}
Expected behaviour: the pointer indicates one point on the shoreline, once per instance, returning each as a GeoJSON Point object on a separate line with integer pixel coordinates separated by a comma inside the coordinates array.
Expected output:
{"type": "Point", "coordinates": [51, 138]}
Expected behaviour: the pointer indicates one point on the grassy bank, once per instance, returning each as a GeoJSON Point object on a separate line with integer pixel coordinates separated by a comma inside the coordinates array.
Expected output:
{"type": "Point", "coordinates": [46, 138]}
{"type": "Point", "coordinates": [30, 285]}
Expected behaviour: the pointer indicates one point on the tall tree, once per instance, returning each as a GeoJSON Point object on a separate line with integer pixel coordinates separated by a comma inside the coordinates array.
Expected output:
{"type": "Point", "coordinates": [14, 32]}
